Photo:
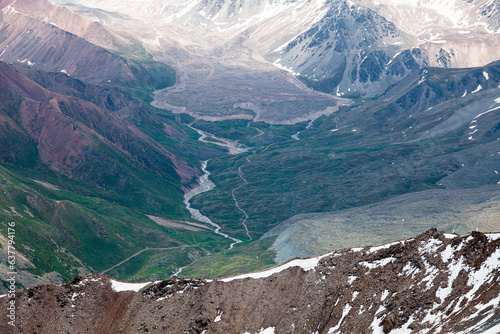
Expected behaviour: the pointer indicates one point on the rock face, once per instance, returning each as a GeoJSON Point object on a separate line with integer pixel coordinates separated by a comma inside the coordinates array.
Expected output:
{"type": "Point", "coordinates": [366, 46]}
{"type": "Point", "coordinates": [434, 283]}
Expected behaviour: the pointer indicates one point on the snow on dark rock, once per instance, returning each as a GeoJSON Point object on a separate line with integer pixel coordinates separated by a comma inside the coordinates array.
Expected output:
{"type": "Point", "coordinates": [434, 283]}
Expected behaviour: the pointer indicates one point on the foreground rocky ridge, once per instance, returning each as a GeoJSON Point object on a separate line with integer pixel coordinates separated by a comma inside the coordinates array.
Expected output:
{"type": "Point", "coordinates": [433, 283]}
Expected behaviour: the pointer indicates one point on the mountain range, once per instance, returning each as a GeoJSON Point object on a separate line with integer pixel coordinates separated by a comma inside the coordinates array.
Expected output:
{"type": "Point", "coordinates": [203, 138]}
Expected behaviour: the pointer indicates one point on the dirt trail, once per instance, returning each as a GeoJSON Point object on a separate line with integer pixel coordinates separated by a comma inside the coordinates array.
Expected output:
{"type": "Point", "coordinates": [141, 251]}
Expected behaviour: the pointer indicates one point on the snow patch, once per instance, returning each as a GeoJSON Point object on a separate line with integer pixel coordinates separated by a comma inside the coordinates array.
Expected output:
{"type": "Point", "coordinates": [405, 328]}
{"type": "Point", "coordinates": [305, 264]}
{"type": "Point", "coordinates": [486, 75]}
{"type": "Point", "coordinates": [408, 270]}
{"type": "Point", "coordinates": [385, 294]}
{"type": "Point", "coordinates": [25, 61]}
{"type": "Point", "coordinates": [430, 246]}
{"type": "Point", "coordinates": [447, 254]}
{"type": "Point", "coordinates": [123, 286]}
{"type": "Point", "coordinates": [76, 294]}
{"type": "Point", "coordinates": [484, 274]}
{"type": "Point", "coordinates": [375, 325]}
{"type": "Point", "coordinates": [355, 294]}
{"type": "Point", "coordinates": [485, 317]}
{"type": "Point", "coordinates": [479, 87]}
{"type": "Point", "coordinates": [493, 237]}
{"type": "Point", "coordinates": [454, 269]}
{"type": "Point", "coordinates": [347, 309]}
{"type": "Point", "coordinates": [378, 263]}
{"type": "Point", "coordinates": [390, 61]}
{"type": "Point", "coordinates": [218, 317]}
{"type": "Point", "coordinates": [377, 248]}
{"type": "Point", "coordinates": [431, 274]}
{"type": "Point", "coordinates": [486, 112]}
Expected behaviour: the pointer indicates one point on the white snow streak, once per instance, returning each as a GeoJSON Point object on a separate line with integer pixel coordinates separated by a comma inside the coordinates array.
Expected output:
{"type": "Point", "coordinates": [218, 317]}
{"type": "Point", "coordinates": [454, 269]}
{"type": "Point", "coordinates": [305, 264]}
{"type": "Point", "coordinates": [123, 286]}
{"type": "Point", "coordinates": [479, 87]}
{"type": "Point", "coordinates": [378, 263]}
{"type": "Point", "coordinates": [377, 248]}
{"type": "Point", "coordinates": [447, 254]}
{"type": "Point", "coordinates": [430, 246]}
{"type": "Point", "coordinates": [486, 112]}
{"type": "Point", "coordinates": [404, 329]}
{"type": "Point", "coordinates": [347, 308]}
{"type": "Point", "coordinates": [493, 237]}
{"type": "Point", "coordinates": [376, 329]}
{"type": "Point", "coordinates": [385, 294]}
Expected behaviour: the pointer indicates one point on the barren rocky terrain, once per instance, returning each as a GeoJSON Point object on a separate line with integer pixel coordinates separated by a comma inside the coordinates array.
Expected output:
{"type": "Point", "coordinates": [434, 283]}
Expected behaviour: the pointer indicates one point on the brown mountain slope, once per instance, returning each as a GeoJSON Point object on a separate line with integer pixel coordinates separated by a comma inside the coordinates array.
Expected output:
{"type": "Point", "coordinates": [90, 144]}
{"type": "Point", "coordinates": [29, 36]}
{"type": "Point", "coordinates": [66, 20]}
{"type": "Point", "coordinates": [434, 283]}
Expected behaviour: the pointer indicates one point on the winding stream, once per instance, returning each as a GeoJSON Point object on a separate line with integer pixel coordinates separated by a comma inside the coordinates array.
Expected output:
{"type": "Point", "coordinates": [296, 136]}
{"type": "Point", "coordinates": [233, 146]}
{"type": "Point", "coordinates": [205, 185]}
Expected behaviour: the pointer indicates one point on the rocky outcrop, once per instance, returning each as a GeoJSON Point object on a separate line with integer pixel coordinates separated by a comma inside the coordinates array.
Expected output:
{"type": "Point", "coordinates": [365, 47]}
{"type": "Point", "coordinates": [432, 283]}
{"type": "Point", "coordinates": [348, 51]}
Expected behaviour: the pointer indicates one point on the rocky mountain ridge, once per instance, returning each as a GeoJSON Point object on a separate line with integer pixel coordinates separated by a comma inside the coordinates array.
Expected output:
{"type": "Point", "coordinates": [428, 284]}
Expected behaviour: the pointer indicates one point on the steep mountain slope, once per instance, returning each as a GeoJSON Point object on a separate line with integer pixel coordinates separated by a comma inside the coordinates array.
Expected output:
{"type": "Point", "coordinates": [429, 284]}
{"type": "Point", "coordinates": [60, 233]}
{"type": "Point", "coordinates": [342, 47]}
{"type": "Point", "coordinates": [51, 38]}
{"type": "Point", "coordinates": [365, 46]}
{"type": "Point", "coordinates": [78, 181]}
{"type": "Point", "coordinates": [92, 145]}
{"type": "Point", "coordinates": [352, 49]}
{"type": "Point", "coordinates": [465, 32]}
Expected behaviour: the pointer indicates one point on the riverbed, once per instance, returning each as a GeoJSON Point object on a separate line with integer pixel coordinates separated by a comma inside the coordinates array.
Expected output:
{"type": "Point", "coordinates": [204, 185]}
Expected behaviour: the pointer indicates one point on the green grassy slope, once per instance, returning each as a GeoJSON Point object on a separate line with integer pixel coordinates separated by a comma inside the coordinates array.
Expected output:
{"type": "Point", "coordinates": [61, 231]}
